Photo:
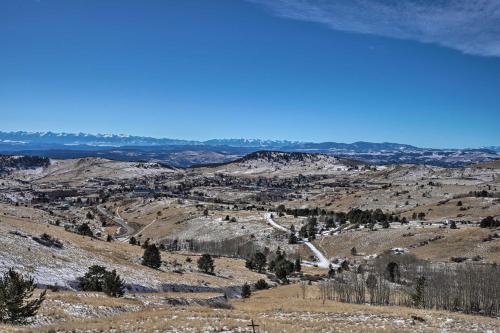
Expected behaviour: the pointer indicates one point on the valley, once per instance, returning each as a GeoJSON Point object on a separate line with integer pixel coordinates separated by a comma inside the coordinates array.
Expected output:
{"type": "Point", "coordinates": [328, 215]}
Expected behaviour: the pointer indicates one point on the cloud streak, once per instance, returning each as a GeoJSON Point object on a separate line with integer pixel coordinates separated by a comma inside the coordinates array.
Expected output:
{"type": "Point", "coordinates": [470, 26]}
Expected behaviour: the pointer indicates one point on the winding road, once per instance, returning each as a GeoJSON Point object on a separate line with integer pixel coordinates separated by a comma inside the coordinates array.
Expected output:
{"type": "Point", "coordinates": [125, 231]}
{"type": "Point", "coordinates": [323, 262]}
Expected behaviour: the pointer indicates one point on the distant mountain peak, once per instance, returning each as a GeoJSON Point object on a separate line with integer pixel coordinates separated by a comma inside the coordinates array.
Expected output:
{"type": "Point", "coordinates": [189, 152]}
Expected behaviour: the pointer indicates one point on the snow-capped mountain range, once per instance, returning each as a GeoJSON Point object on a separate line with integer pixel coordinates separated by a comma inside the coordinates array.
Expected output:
{"type": "Point", "coordinates": [174, 151]}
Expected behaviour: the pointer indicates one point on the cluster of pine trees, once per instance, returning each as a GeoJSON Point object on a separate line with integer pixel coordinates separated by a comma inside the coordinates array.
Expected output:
{"type": "Point", "coordinates": [99, 279]}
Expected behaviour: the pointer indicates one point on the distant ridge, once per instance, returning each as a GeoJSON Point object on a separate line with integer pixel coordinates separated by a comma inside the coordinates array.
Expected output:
{"type": "Point", "coordinates": [185, 153]}
{"type": "Point", "coordinates": [123, 140]}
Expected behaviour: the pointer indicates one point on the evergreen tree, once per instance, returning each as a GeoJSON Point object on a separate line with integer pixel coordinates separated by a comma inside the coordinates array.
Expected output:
{"type": "Point", "coordinates": [392, 271]}
{"type": "Point", "coordinates": [331, 272]}
{"type": "Point", "coordinates": [16, 293]}
{"type": "Point", "coordinates": [489, 222]}
{"type": "Point", "coordinates": [151, 257]}
{"type": "Point", "coordinates": [85, 230]}
{"type": "Point", "coordinates": [250, 264]}
{"type": "Point", "coordinates": [113, 285]}
{"type": "Point", "coordinates": [283, 268]}
{"type": "Point", "coordinates": [132, 240]}
{"type": "Point", "coordinates": [245, 291]}
{"type": "Point", "coordinates": [93, 280]}
{"type": "Point", "coordinates": [206, 264]}
{"type": "Point", "coordinates": [99, 279]}
{"type": "Point", "coordinates": [260, 260]}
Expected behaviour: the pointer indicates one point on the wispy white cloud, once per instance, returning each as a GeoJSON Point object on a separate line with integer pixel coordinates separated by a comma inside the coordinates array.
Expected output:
{"type": "Point", "coordinates": [470, 26]}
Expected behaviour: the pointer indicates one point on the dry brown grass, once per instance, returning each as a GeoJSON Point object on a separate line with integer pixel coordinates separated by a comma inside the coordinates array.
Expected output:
{"type": "Point", "coordinates": [281, 309]}
{"type": "Point", "coordinates": [228, 271]}
{"type": "Point", "coordinates": [466, 241]}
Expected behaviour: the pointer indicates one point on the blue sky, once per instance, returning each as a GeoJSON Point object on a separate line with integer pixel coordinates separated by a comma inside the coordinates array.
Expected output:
{"type": "Point", "coordinates": [419, 72]}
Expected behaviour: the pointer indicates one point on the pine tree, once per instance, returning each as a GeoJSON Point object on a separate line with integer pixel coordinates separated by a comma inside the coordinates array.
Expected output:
{"type": "Point", "coordinates": [250, 264]}
{"type": "Point", "coordinates": [113, 285]}
{"type": "Point", "coordinates": [93, 280]}
{"type": "Point", "coordinates": [85, 230]}
{"type": "Point", "coordinates": [99, 279]}
{"type": "Point", "coordinates": [206, 264]}
{"type": "Point", "coordinates": [259, 260]}
{"type": "Point", "coordinates": [245, 291]}
{"type": "Point", "coordinates": [16, 303]}
{"type": "Point", "coordinates": [151, 257]}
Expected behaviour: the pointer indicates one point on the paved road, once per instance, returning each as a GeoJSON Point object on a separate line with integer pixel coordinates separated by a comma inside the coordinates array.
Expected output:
{"type": "Point", "coordinates": [323, 262]}
{"type": "Point", "coordinates": [125, 230]}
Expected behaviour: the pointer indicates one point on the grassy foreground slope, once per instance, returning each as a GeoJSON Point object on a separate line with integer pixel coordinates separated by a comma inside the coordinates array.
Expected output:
{"type": "Point", "coordinates": [283, 309]}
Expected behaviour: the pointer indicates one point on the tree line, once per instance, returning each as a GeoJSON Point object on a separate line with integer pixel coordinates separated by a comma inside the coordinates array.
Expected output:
{"type": "Point", "coordinates": [467, 288]}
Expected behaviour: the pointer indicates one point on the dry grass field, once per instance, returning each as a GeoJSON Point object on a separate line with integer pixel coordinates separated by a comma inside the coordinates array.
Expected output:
{"type": "Point", "coordinates": [125, 199]}
{"type": "Point", "coordinates": [467, 241]}
{"type": "Point", "coordinates": [283, 309]}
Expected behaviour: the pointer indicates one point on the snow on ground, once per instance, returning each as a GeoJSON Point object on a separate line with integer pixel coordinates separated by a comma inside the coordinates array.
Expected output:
{"type": "Point", "coordinates": [323, 262]}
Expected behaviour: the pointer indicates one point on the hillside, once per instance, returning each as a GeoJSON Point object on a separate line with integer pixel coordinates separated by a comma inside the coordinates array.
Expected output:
{"type": "Point", "coordinates": [285, 164]}
{"type": "Point", "coordinates": [330, 220]}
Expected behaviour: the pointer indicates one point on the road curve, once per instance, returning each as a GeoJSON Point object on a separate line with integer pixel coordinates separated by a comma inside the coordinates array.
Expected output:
{"type": "Point", "coordinates": [323, 262]}
{"type": "Point", "coordinates": [125, 230]}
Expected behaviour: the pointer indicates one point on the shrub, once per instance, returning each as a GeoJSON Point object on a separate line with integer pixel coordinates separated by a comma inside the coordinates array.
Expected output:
{"type": "Point", "coordinates": [49, 241]}
{"type": "Point", "coordinates": [489, 222]}
{"type": "Point", "coordinates": [206, 264]}
{"type": "Point", "coordinates": [261, 284]}
{"type": "Point", "coordinates": [16, 293]}
{"type": "Point", "coordinates": [245, 291]}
